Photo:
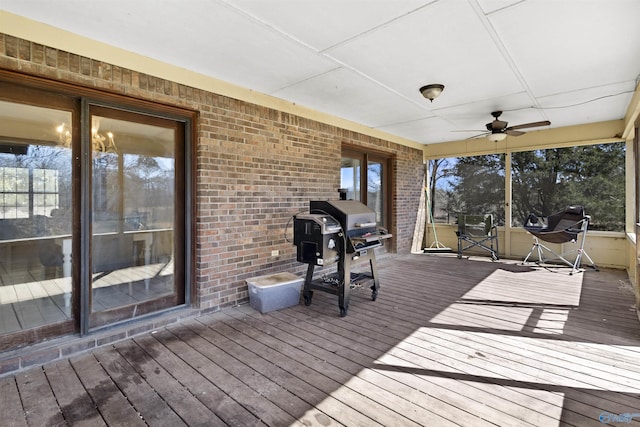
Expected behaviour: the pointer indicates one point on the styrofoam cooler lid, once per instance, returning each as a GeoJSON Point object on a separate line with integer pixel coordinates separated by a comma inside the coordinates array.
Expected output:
{"type": "Point", "coordinates": [273, 279]}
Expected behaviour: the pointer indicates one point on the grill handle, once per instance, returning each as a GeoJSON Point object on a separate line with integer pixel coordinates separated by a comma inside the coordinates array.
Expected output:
{"type": "Point", "coordinates": [366, 224]}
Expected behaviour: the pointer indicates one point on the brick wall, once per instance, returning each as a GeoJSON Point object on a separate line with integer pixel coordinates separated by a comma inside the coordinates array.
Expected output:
{"type": "Point", "coordinates": [256, 167]}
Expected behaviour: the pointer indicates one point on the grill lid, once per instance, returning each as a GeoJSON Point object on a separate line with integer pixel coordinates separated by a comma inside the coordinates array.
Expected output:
{"type": "Point", "coordinates": [353, 216]}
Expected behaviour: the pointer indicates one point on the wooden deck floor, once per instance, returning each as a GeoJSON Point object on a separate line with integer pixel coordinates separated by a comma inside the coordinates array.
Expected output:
{"type": "Point", "coordinates": [447, 342]}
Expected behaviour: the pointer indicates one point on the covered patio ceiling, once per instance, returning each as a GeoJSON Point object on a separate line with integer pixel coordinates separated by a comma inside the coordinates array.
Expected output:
{"type": "Point", "coordinates": [567, 61]}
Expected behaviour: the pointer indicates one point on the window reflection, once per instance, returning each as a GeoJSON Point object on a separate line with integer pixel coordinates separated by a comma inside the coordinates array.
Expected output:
{"type": "Point", "coordinates": [133, 201]}
{"type": "Point", "coordinates": [375, 190]}
{"type": "Point", "coordinates": [35, 225]}
{"type": "Point", "coordinates": [350, 177]}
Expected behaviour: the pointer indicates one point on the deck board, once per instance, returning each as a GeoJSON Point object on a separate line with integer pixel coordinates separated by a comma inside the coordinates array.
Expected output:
{"type": "Point", "coordinates": [168, 388]}
{"type": "Point", "coordinates": [76, 405]}
{"type": "Point", "coordinates": [11, 407]}
{"type": "Point", "coordinates": [39, 402]}
{"type": "Point", "coordinates": [113, 406]}
{"type": "Point", "coordinates": [448, 342]}
{"type": "Point", "coordinates": [200, 386]}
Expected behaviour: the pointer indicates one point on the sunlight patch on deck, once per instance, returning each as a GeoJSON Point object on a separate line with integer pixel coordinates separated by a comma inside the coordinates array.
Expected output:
{"type": "Point", "coordinates": [514, 361]}
{"type": "Point", "coordinates": [534, 287]}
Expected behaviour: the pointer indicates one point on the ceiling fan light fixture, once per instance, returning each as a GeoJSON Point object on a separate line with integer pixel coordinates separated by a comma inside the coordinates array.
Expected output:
{"type": "Point", "coordinates": [431, 91]}
{"type": "Point", "coordinates": [496, 137]}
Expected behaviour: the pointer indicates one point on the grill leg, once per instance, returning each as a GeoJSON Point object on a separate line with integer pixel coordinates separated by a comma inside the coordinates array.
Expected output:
{"type": "Point", "coordinates": [374, 274]}
{"type": "Point", "coordinates": [307, 293]}
{"type": "Point", "coordinates": [344, 293]}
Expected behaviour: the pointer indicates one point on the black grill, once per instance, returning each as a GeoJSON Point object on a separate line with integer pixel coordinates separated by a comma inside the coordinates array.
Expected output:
{"type": "Point", "coordinates": [338, 232]}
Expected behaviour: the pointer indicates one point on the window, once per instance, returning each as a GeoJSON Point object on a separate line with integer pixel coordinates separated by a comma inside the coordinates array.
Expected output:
{"type": "Point", "coordinates": [547, 181]}
{"type": "Point", "coordinates": [45, 191]}
{"type": "Point", "coordinates": [471, 185]}
{"type": "Point", "coordinates": [350, 177]}
{"type": "Point", "coordinates": [14, 183]}
{"type": "Point", "coordinates": [542, 182]}
{"type": "Point", "coordinates": [15, 193]}
{"type": "Point", "coordinates": [360, 170]}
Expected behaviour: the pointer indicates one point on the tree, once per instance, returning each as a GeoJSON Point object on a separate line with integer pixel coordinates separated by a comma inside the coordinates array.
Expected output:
{"type": "Point", "coordinates": [479, 184]}
{"type": "Point", "coordinates": [547, 181]}
{"type": "Point", "coordinates": [439, 170]}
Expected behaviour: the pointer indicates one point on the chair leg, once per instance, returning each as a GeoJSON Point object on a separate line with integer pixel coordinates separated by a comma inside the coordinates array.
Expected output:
{"type": "Point", "coordinates": [541, 249]}
{"type": "Point", "coordinates": [535, 247]}
{"type": "Point", "coordinates": [593, 264]}
{"type": "Point", "coordinates": [580, 252]}
{"type": "Point", "coordinates": [578, 262]}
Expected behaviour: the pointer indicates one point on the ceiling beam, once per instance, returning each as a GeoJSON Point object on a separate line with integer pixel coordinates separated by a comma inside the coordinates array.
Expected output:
{"type": "Point", "coordinates": [632, 114]}
{"type": "Point", "coordinates": [592, 133]}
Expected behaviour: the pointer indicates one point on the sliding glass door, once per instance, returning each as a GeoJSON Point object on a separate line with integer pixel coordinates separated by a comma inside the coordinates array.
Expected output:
{"type": "Point", "coordinates": [94, 213]}
{"type": "Point", "coordinates": [133, 217]}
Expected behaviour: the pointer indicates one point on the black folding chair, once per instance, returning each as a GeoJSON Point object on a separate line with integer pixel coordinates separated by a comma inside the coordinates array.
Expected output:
{"type": "Point", "coordinates": [562, 227]}
{"type": "Point", "coordinates": [477, 231]}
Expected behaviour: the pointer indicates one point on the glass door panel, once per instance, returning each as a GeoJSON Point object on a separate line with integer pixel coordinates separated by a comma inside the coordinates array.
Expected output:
{"type": "Point", "coordinates": [35, 216]}
{"type": "Point", "coordinates": [375, 190]}
{"type": "Point", "coordinates": [350, 177]}
{"type": "Point", "coordinates": [133, 218]}
{"type": "Point", "coordinates": [358, 170]}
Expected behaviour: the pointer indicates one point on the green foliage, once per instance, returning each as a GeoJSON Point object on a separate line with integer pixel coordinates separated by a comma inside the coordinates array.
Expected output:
{"type": "Point", "coordinates": [543, 182]}
{"type": "Point", "coordinates": [479, 183]}
{"type": "Point", "coordinates": [547, 181]}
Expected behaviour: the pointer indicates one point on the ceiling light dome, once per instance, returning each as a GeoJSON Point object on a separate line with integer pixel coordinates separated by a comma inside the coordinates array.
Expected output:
{"type": "Point", "coordinates": [496, 137]}
{"type": "Point", "coordinates": [431, 91]}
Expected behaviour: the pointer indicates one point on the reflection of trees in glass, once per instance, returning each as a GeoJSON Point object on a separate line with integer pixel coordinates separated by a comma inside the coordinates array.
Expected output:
{"type": "Point", "coordinates": [53, 158]}
{"type": "Point", "coordinates": [374, 189]}
{"type": "Point", "coordinates": [547, 181]}
{"type": "Point", "coordinates": [149, 190]}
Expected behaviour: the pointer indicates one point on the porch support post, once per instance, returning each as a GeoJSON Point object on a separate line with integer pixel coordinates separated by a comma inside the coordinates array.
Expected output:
{"type": "Point", "coordinates": [507, 204]}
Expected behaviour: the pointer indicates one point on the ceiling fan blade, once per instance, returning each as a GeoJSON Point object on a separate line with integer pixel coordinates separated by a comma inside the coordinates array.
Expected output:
{"type": "Point", "coordinates": [514, 132]}
{"type": "Point", "coordinates": [530, 125]}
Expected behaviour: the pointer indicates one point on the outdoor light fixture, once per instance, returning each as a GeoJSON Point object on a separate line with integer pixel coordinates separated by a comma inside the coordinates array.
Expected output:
{"type": "Point", "coordinates": [496, 137]}
{"type": "Point", "coordinates": [431, 92]}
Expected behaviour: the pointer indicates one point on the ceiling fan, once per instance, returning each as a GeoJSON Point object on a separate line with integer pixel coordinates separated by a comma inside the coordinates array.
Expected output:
{"type": "Point", "coordinates": [497, 130]}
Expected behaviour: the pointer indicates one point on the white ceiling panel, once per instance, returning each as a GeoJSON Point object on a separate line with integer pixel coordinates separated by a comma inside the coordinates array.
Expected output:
{"type": "Point", "coordinates": [217, 40]}
{"type": "Point", "coordinates": [595, 104]}
{"type": "Point", "coordinates": [579, 45]}
{"type": "Point", "coordinates": [442, 43]}
{"type": "Point", "coordinates": [323, 24]}
{"type": "Point", "coordinates": [353, 97]}
{"type": "Point", "coordinates": [429, 130]}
